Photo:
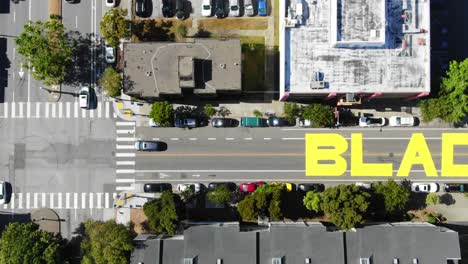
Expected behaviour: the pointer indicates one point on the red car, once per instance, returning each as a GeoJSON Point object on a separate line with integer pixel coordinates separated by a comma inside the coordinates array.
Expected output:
{"type": "Point", "coordinates": [250, 186]}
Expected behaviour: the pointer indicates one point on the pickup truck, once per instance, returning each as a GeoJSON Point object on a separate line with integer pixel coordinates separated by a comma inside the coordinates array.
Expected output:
{"type": "Point", "coordinates": [252, 122]}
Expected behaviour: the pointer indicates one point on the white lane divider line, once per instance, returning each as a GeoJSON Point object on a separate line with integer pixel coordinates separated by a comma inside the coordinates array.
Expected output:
{"type": "Point", "coordinates": [247, 138]}
{"type": "Point", "coordinates": [54, 106]}
{"type": "Point", "coordinates": [99, 200]}
{"type": "Point", "coordinates": [35, 200]}
{"type": "Point", "coordinates": [76, 112]}
{"type": "Point", "coordinates": [13, 110]}
{"type": "Point", "coordinates": [38, 109]}
{"type": "Point", "coordinates": [229, 138]}
{"type": "Point", "coordinates": [266, 138]}
{"type": "Point", "coordinates": [126, 155]}
{"type": "Point", "coordinates": [28, 202]}
{"type": "Point", "coordinates": [91, 201]}
{"type": "Point", "coordinates": [60, 110]}
{"type": "Point", "coordinates": [20, 110]}
{"type": "Point", "coordinates": [193, 138]}
{"type": "Point", "coordinates": [68, 107]}
{"type": "Point", "coordinates": [83, 200]}
{"type": "Point", "coordinates": [67, 200]}
{"type": "Point", "coordinates": [99, 110]}
{"type": "Point", "coordinates": [59, 200]}
{"type": "Point", "coordinates": [174, 138]}
{"type": "Point", "coordinates": [106, 200]}
{"type": "Point", "coordinates": [292, 138]}
{"type": "Point", "coordinates": [125, 163]}
{"type": "Point", "coordinates": [75, 200]}
{"type": "Point", "coordinates": [155, 138]}
{"type": "Point", "coordinates": [52, 200]}
{"type": "Point", "coordinates": [20, 200]}
{"type": "Point", "coordinates": [28, 109]}
{"type": "Point", "coordinates": [44, 199]}
{"type": "Point", "coordinates": [5, 110]}
{"type": "Point", "coordinates": [211, 138]}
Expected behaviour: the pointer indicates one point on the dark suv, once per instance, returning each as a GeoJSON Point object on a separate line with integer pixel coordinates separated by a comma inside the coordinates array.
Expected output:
{"type": "Point", "coordinates": [220, 9]}
{"type": "Point", "coordinates": [157, 187]}
{"type": "Point", "coordinates": [167, 8]}
{"type": "Point", "coordinates": [180, 9]}
{"type": "Point", "coordinates": [186, 122]}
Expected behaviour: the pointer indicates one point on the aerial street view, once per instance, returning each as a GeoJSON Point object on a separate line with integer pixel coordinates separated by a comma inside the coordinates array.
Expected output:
{"type": "Point", "coordinates": [234, 131]}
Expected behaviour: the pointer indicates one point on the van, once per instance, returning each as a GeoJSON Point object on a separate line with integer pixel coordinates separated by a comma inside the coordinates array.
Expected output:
{"type": "Point", "coordinates": [249, 8]}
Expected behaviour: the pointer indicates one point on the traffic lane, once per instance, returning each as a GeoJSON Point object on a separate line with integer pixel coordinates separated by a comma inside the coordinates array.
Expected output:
{"type": "Point", "coordinates": [76, 17]}
{"type": "Point", "coordinates": [39, 10]}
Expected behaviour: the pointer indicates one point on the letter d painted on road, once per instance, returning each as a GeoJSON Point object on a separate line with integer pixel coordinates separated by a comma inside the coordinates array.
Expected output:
{"type": "Point", "coordinates": [323, 155]}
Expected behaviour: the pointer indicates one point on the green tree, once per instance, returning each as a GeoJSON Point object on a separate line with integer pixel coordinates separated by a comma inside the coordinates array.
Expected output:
{"type": "Point", "coordinates": [346, 205]}
{"type": "Point", "coordinates": [432, 199]}
{"type": "Point", "coordinates": [291, 111]}
{"type": "Point", "coordinates": [181, 31]}
{"type": "Point", "coordinates": [452, 103]}
{"type": "Point", "coordinates": [111, 82]}
{"type": "Point", "coordinates": [220, 195]}
{"type": "Point", "coordinates": [25, 243]}
{"type": "Point", "coordinates": [257, 113]}
{"type": "Point", "coordinates": [312, 201]}
{"type": "Point", "coordinates": [247, 208]}
{"type": "Point", "coordinates": [209, 110]}
{"type": "Point", "coordinates": [395, 196]}
{"type": "Point", "coordinates": [106, 242]}
{"type": "Point", "coordinates": [162, 112]}
{"type": "Point", "coordinates": [275, 209]}
{"type": "Point", "coordinates": [164, 214]}
{"type": "Point", "coordinates": [46, 50]}
{"type": "Point", "coordinates": [223, 112]}
{"type": "Point", "coordinates": [114, 25]}
{"type": "Point", "coordinates": [319, 115]}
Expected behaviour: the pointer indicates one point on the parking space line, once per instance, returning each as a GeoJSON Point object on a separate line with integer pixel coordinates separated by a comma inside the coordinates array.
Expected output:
{"type": "Point", "coordinates": [193, 138]}
{"type": "Point", "coordinates": [266, 138]}
{"type": "Point", "coordinates": [211, 138]}
{"type": "Point", "coordinates": [248, 138]}
{"type": "Point", "coordinates": [229, 138]}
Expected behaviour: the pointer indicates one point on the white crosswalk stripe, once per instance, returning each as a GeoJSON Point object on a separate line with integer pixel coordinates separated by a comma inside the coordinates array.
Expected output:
{"type": "Point", "coordinates": [60, 200]}
{"type": "Point", "coordinates": [125, 154]}
{"type": "Point", "coordinates": [54, 110]}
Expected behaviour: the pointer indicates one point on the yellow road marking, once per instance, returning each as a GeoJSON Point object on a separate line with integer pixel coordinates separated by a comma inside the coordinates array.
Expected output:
{"type": "Point", "coordinates": [286, 154]}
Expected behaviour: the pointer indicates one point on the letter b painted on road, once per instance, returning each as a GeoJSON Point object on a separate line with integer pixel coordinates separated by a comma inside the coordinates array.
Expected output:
{"type": "Point", "coordinates": [324, 154]}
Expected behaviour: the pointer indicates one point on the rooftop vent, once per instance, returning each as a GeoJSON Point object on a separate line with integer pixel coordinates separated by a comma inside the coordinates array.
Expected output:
{"type": "Point", "coordinates": [317, 85]}
{"type": "Point", "coordinates": [396, 261]}
{"type": "Point", "coordinates": [219, 261]}
{"type": "Point", "coordinates": [364, 261]}
{"type": "Point", "coordinates": [415, 261]}
{"type": "Point", "coordinates": [277, 261]}
{"type": "Point", "coordinates": [308, 261]}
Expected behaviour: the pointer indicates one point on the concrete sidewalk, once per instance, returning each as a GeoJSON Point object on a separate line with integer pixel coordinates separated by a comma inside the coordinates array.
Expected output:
{"type": "Point", "coordinates": [456, 211]}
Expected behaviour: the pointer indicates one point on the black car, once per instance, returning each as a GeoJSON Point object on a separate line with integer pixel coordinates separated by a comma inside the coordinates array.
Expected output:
{"type": "Point", "coordinates": [167, 8]}
{"type": "Point", "coordinates": [142, 145]}
{"type": "Point", "coordinates": [142, 8]}
{"type": "Point", "coordinates": [157, 187]}
{"type": "Point", "coordinates": [220, 9]}
{"type": "Point", "coordinates": [275, 121]}
{"type": "Point", "coordinates": [223, 122]}
{"type": "Point", "coordinates": [180, 9]}
{"type": "Point", "coordinates": [186, 122]}
{"type": "Point", "coordinates": [305, 187]}
{"type": "Point", "coordinates": [456, 187]}
{"type": "Point", "coordinates": [229, 185]}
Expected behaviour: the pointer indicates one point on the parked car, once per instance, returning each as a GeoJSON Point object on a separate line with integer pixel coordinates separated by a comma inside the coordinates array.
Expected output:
{"type": "Point", "coordinates": [157, 187]}
{"type": "Point", "coordinates": [84, 97]}
{"type": "Point", "coordinates": [247, 121]}
{"type": "Point", "coordinates": [197, 187]}
{"type": "Point", "coordinates": [371, 122]}
{"type": "Point", "coordinates": [305, 187]}
{"type": "Point", "coordinates": [180, 9]}
{"type": "Point", "coordinates": [142, 145]}
{"type": "Point", "coordinates": [249, 8]}
{"type": "Point", "coordinates": [110, 53]}
{"type": "Point", "coordinates": [68, 1]}
{"type": "Point", "coordinates": [3, 193]}
{"type": "Point", "coordinates": [229, 185]}
{"type": "Point", "coordinates": [152, 123]}
{"type": "Point", "coordinates": [262, 8]}
{"type": "Point", "coordinates": [289, 187]}
{"type": "Point", "coordinates": [234, 8]}
{"type": "Point", "coordinates": [207, 9]}
{"type": "Point", "coordinates": [425, 187]}
{"type": "Point", "coordinates": [186, 122]}
{"type": "Point", "coordinates": [305, 123]}
{"type": "Point", "coordinates": [456, 187]}
{"type": "Point", "coordinates": [364, 185]}
{"type": "Point", "coordinates": [167, 8]}
{"type": "Point", "coordinates": [397, 121]}
{"type": "Point", "coordinates": [223, 122]}
{"type": "Point", "coordinates": [275, 121]}
{"type": "Point", "coordinates": [250, 186]}
{"type": "Point", "coordinates": [220, 9]}
{"type": "Point", "coordinates": [111, 3]}
{"type": "Point", "coordinates": [142, 8]}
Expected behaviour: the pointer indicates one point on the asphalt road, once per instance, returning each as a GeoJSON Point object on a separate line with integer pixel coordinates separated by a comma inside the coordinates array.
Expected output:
{"type": "Point", "coordinates": [249, 154]}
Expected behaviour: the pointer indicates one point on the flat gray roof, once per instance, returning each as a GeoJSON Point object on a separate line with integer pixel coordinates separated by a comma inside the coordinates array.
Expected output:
{"type": "Point", "coordinates": [152, 69]}
{"type": "Point", "coordinates": [355, 46]}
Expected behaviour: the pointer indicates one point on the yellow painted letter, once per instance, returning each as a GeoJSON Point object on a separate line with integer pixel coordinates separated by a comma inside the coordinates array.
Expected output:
{"type": "Point", "coordinates": [417, 152]}
{"type": "Point", "coordinates": [315, 150]}
{"type": "Point", "coordinates": [448, 167]}
{"type": "Point", "coordinates": [359, 168]}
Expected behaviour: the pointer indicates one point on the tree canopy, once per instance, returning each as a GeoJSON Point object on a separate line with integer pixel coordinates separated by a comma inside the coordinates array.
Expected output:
{"type": "Point", "coordinates": [209, 110]}
{"type": "Point", "coordinates": [291, 111]}
{"type": "Point", "coordinates": [25, 243]}
{"type": "Point", "coordinates": [45, 48]}
{"type": "Point", "coordinates": [220, 195]}
{"type": "Point", "coordinates": [106, 242]}
{"type": "Point", "coordinates": [265, 201]}
{"type": "Point", "coordinates": [452, 103]}
{"type": "Point", "coordinates": [164, 214]}
{"type": "Point", "coordinates": [346, 205]}
{"type": "Point", "coordinates": [432, 199]}
{"type": "Point", "coordinates": [114, 25]}
{"type": "Point", "coordinates": [312, 201]}
{"type": "Point", "coordinates": [162, 112]}
{"type": "Point", "coordinates": [395, 196]}
{"type": "Point", "coordinates": [111, 82]}
{"type": "Point", "coordinates": [319, 115]}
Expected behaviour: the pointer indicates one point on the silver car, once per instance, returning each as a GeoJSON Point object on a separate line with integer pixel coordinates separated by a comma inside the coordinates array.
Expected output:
{"type": "Point", "coordinates": [234, 8]}
{"type": "Point", "coordinates": [141, 145]}
{"type": "Point", "coordinates": [249, 8]}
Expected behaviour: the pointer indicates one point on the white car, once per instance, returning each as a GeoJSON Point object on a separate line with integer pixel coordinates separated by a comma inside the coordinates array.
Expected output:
{"type": "Point", "coordinates": [111, 3]}
{"type": "Point", "coordinates": [425, 187]}
{"type": "Point", "coordinates": [197, 187]}
{"type": "Point", "coordinates": [305, 123]}
{"type": "Point", "coordinates": [153, 123]}
{"type": "Point", "coordinates": [110, 54]}
{"type": "Point", "coordinates": [84, 97]}
{"type": "Point", "coordinates": [397, 121]}
{"type": "Point", "coordinates": [3, 193]}
{"type": "Point", "coordinates": [234, 8]}
{"type": "Point", "coordinates": [371, 121]}
{"type": "Point", "coordinates": [364, 185]}
{"type": "Point", "coordinates": [206, 8]}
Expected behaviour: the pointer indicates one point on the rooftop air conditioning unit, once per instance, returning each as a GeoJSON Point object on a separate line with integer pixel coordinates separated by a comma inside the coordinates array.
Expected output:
{"type": "Point", "coordinates": [308, 261]}
{"type": "Point", "coordinates": [415, 261]}
{"type": "Point", "coordinates": [396, 261]}
{"type": "Point", "coordinates": [219, 261]}
{"type": "Point", "coordinates": [188, 261]}
{"type": "Point", "coordinates": [317, 85]}
{"type": "Point", "coordinates": [364, 261]}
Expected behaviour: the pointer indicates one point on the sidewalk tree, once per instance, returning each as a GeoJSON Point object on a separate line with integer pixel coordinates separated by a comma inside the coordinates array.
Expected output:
{"type": "Point", "coordinates": [257, 113]}
{"type": "Point", "coordinates": [247, 208]}
{"type": "Point", "coordinates": [312, 201]}
{"type": "Point", "coordinates": [209, 110]}
{"type": "Point", "coordinates": [114, 25]}
{"type": "Point", "coordinates": [46, 50]}
{"type": "Point", "coordinates": [291, 112]}
{"type": "Point", "coordinates": [345, 204]}
{"type": "Point", "coordinates": [432, 199]}
{"type": "Point", "coordinates": [452, 103]}
{"type": "Point", "coordinates": [223, 112]}
{"type": "Point", "coordinates": [111, 82]}
{"type": "Point", "coordinates": [25, 243]}
{"type": "Point", "coordinates": [162, 112]}
{"type": "Point", "coordinates": [319, 115]}
{"type": "Point", "coordinates": [265, 201]}
{"type": "Point", "coordinates": [394, 196]}
{"type": "Point", "coordinates": [220, 195]}
{"type": "Point", "coordinates": [106, 242]}
{"type": "Point", "coordinates": [164, 214]}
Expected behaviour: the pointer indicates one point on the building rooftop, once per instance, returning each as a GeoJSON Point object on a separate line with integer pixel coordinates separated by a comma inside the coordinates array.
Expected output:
{"type": "Point", "coordinates": [204, 66]}
{"type": "Point", "coordinates": [355, 46]}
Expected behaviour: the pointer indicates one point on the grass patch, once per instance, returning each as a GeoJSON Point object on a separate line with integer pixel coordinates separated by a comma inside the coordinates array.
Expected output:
{"type": "Point", "coordinates": [147, 30]}
{"type": "Point", "coordinates": [256, 23]}
{"type": "Point", "coordinates": [252, 40]}
{"type": "Point", "coordinates": [253, 67]}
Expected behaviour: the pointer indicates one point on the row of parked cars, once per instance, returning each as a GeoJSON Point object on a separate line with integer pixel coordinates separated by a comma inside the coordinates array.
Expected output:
{"type": "Point", "coordinates": [394, 121]}
{"type": "Point", "coordinates": [249, 187]}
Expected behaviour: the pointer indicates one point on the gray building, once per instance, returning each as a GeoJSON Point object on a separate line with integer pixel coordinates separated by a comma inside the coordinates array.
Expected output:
{"type": "Point", "coordinates": [291, 243]}
{"type": "Point", "coordinates": [205, 67]}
